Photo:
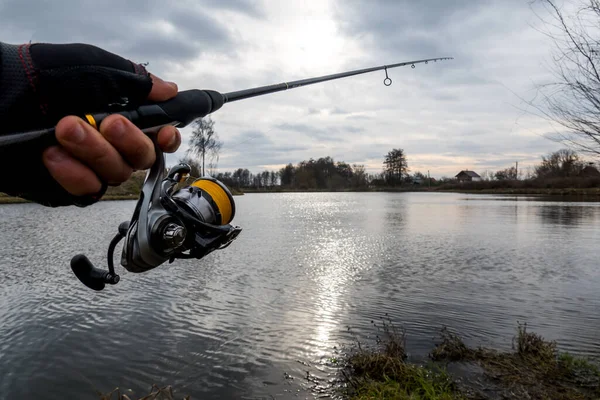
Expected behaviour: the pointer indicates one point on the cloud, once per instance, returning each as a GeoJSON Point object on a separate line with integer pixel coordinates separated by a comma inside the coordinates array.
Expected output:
{"type": "Point", "coordinates": [154, 30]}
{"type": "Point", "coordinates": [445, 115]}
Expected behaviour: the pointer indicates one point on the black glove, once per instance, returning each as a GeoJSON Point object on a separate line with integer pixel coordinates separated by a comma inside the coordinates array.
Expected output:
{"type": "Point", "coordinates": [39, 85]}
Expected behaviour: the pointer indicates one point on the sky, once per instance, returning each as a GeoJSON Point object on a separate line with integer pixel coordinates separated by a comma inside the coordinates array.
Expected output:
{"type": "Point", "coordinates": [466, 113]}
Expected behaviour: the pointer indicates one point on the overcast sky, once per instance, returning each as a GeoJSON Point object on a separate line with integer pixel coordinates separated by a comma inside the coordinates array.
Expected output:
{"type": "Point", "coordinates": [447, 116]}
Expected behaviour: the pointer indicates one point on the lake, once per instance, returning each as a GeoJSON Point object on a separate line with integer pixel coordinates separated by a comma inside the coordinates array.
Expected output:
{"type": "Point", "coordinates": [253, 320]}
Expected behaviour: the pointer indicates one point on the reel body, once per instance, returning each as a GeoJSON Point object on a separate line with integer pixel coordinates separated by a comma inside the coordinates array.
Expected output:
{"type": "Point", "coordinates": [169, 222]}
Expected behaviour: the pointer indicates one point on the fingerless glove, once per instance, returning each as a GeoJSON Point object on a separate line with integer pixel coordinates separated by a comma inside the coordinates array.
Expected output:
{"type": "Point", "coordinates": [39, 85]}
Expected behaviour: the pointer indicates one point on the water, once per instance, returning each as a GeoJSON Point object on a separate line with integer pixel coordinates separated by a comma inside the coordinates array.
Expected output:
{"type": "Point", "coordinates": [250, 321]}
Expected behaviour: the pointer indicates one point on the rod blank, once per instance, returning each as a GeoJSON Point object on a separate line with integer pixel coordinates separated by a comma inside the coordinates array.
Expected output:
{"type": "Point", "coordinates": [261, 90]}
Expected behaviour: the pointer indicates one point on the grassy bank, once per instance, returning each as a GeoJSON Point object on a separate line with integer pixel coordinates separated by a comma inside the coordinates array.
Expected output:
{"type": "Point", "coordinates": [129, 190]}
{"type": "Point", "coordinates": [589, 192]}
{"type": "Point", "coordinates": [557, 186]}
{"type": "Point", "coordinates": [533, 370]}
{"type": "Point", "coordinates": [570, 192]}
{"type": "Point", "coordinates": [5, 199]}
{"type": "Point", "coordinates": [592, 193]}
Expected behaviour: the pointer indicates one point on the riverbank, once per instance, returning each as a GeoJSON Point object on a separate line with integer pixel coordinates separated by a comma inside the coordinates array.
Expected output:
{"type": "Point", "coordinates": [571, 192]}
{"type": "Point", "coordinates": [5, 199]}
{"type": "Point", "coordinates": [533, 370]}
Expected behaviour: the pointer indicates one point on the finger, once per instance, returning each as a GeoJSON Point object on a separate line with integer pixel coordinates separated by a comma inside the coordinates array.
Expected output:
{"type": "Point", "coordinates": [169, 139]}
{"type": "Point", "coordinates": [71, 174]}
{"type": "Point", "coordinates": [132, 144]}
{"type": "Point", "coordinates": [87, 145]}
{"type": "Point", "coordinates": [162, 90]}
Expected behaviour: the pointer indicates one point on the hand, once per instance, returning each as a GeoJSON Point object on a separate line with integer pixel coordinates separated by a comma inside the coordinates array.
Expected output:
{"type": "Point", "coordinates": [87, 156]}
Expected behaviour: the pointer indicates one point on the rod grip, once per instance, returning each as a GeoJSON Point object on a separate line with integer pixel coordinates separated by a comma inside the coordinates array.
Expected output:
{"type": "Point", "coordinates": [23, 150]}
{"type": "Point", "coordinates": [181, 110]}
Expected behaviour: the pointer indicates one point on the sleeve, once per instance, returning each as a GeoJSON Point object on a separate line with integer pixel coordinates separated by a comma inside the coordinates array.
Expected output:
{"type": "Point", "coordinates": [39, 85]}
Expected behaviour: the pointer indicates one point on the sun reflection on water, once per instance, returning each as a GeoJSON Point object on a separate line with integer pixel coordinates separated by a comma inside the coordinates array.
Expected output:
{"type": "Point", "coordinates": [335, 256]}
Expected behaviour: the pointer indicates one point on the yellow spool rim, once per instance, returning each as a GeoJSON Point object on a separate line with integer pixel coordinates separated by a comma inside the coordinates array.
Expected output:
{"type": "Point", "coordinates": [220, 196]}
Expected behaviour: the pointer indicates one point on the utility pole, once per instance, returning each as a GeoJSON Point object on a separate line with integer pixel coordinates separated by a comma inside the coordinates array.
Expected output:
{"type": "Point", "coordinates": [428, 178]}
{"type": "Point", "coordinates": [517, 171]}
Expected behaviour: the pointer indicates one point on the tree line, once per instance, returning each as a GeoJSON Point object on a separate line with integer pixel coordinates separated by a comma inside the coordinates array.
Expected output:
{"type": "Point", "coordinates": [564, 163]}
{"type": "Point", "coordinates": [323, 173]}
{"type": "Point", "coordinates": [327, 174]}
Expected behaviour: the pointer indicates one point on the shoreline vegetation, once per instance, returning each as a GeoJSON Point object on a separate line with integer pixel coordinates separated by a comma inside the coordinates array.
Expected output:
{"type": "Point", "coordinates": [587, 193]}
{"type": "Point", "coordinates": [594, 191]}
{"type": "Point", "coordinates": [128, 190]}
{"type": "Point", "coordinates": [562, 173]}
{"type": "Point", "coordinates": [534, 369]}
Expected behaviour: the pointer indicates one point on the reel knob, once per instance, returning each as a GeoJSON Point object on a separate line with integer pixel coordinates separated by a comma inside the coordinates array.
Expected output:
{"type": "Point", "coordinates": [173, 235]}
{"type": "Point", "coordinates": [90, 276]}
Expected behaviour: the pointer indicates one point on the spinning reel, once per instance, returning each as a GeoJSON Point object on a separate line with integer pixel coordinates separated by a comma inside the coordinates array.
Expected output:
{"type": "Point", "coordinates": [168, 223]}
{"type": "Point", "coordinates": [188, 222]}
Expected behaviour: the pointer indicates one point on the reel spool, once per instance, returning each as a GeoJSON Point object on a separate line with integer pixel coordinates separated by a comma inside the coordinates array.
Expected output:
{"type": "Point", "coordinates": [167, 224]}
{"type": "Point", "coordinates": [208, 199]}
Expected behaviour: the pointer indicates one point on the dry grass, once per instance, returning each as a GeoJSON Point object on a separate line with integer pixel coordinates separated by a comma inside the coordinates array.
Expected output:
{"type": "Point", "coordinates": [534, 370]}
{"type": "Point", "coordinates": [383, 373]}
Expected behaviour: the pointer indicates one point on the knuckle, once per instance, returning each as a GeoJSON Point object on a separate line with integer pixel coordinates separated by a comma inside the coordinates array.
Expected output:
{"type": "Point", "coordinates": [79, 182]}
{"type": "Point", "coordinates": [141, 154]}
{"type": "Point", "coordinates": [102, 156]}
{"type": "Point", "coordinates": [117, 172]}
{"type": "Point", "coordinates": [129, 141]}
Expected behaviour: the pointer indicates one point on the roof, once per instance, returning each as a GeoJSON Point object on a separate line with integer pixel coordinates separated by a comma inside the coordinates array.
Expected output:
{"type": "Point", "coordinates": [472, 174]}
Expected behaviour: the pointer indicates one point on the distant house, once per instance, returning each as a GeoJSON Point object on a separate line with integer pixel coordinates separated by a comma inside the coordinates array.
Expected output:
{"type": "Point", "coordinates": [468, 176]}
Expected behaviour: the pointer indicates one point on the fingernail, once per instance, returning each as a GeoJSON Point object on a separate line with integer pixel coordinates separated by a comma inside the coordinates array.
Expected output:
{"type": "Point", "coordinates": [76, 135]}
{"type": "Point", "coordinates": [173, 85]}
{"type": "Point", "coordinates": [55, 155]}
{"type": "Point", "coordinates": [117, 128]}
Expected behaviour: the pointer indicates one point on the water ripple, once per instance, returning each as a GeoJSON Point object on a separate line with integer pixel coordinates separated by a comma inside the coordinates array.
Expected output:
{"type": "Point", "coordinates": [251, 321]}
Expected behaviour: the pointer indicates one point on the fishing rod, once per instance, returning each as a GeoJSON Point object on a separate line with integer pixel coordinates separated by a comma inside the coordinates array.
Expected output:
{"type": "Point", "coordinates": [170, 221]}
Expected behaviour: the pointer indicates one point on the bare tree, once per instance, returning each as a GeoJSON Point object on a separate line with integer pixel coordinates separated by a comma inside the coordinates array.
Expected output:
{"type": "Point", "coordinates": [212, 167]}
{"type": "Point", "coordinates": [265, 178]}
{"type": "Point", "coordinates": [561, 163]}
{"type": "Point", "coordinates": [487, 175]}
{"type": "Point", "coordinates": [573, 101]}
{"type": "Point", "coordinates": [273, 178]}
{"type": "Point", "coordinates": [205, 141]}
{"type": "Point", "coordinates": [509, 173]}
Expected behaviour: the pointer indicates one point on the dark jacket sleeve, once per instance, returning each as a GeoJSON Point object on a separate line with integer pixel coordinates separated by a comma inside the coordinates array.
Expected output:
{"type": "Point", "coordinates": [39, 85]}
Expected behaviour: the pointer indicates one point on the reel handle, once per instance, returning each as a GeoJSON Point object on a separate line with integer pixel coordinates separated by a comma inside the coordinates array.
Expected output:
{"type": "Point", "coordinates": [90, 276]}
{"type": "Point", "coordinates": [96, 278]}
